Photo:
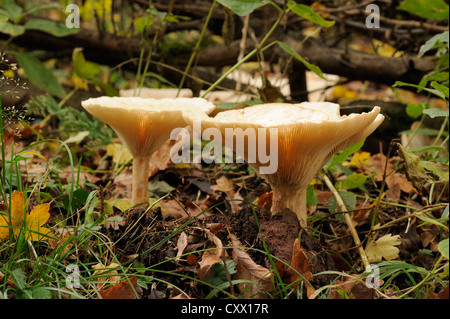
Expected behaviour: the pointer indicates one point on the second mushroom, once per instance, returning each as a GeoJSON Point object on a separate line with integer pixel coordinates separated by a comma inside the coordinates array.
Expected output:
{"type": "Point", "coordinates": [307, 135]}
{"type": "Point", "coordinates": [143, 125]}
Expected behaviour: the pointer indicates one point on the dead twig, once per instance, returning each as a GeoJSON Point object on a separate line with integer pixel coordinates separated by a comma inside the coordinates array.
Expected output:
{"type": "Point", "coordinates": [348, 220]}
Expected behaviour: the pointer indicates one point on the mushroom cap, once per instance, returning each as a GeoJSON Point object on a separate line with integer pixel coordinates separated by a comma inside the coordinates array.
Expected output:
{"type": "Point", "coordinates": [308, 134]}
{"type": "Point", "coordinates": [144, 124]}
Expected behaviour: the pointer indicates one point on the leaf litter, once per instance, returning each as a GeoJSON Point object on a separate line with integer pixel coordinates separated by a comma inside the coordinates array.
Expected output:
{"type": "Point", "coordinates": [202, 215]}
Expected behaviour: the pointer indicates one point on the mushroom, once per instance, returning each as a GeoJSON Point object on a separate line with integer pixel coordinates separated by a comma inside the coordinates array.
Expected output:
{"type": "Point", "coordinates": [143, 125]}
{"type": "Point", "coordinates": [304, 136]}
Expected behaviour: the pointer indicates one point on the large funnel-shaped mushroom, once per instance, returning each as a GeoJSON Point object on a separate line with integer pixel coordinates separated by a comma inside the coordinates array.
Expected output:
{"type": "Point", "coordinates": [305, 136]}
{"type": "Point", "coordinates": [143, 125]}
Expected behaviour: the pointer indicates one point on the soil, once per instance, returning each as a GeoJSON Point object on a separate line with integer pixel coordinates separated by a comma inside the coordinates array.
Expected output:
{"type": "Point", "coordinates": [150, 238]}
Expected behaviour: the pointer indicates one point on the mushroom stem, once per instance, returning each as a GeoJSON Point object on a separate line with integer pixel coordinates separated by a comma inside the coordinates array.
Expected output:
{"type": "Point", "coordinates": [139, 196]}
{"type": "Point", "coordinates": [295, 201]}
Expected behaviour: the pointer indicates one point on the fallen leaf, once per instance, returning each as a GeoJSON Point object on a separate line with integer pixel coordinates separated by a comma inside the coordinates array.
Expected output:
{"type": "Point", "coordinates": [395, 182]}
{"type": "Point", "coordinates": [261, 280]}
{"type": "Point", "coordinates": [126, 289]}
{"type": "Point", "coordinates": [181, 244]}
{"type": "Point", "coordinates": [265, 200]}
{"type": "Point", "coordinates": [300, 269]}
{"type": "Point", "coordinates": [31, 223]}
{"type": "Point", "coordinates": [384, 247]}
{"type": "Point", "coordinates": [210, 257]}
{"type": "Point", "coordinates": [61, 237]}
{"type": "Point", "coordinates": [172, 208]}
{"type": "Point", "coordinates": [101, 271]}
{"type": "Point", "coordinates": [119, 153]}
{"type": "Point", "coordinates": [352, 287]}
{"type": "Point", "coordinates": [223, 184]}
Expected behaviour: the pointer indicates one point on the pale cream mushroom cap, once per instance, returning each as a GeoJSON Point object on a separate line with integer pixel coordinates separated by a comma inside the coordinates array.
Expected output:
{"type": "Point", "coordinates": [308, 134]}
{"type": "Point", "coordinates": [144, 124]}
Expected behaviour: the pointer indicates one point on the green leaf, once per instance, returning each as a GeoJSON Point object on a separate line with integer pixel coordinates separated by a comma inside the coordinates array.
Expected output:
{"type": "Point", "coordinates": [445, 212]}
{"type": "Point", "coordinates": [429, 220]}
{"type": "Point", "coordinates": [439, 77]}
{"type": "Point", "coordinates": [39, 74]}
{"type": "Point", "coordinates": [424, 149]}
{"type": "Point", "coordinates": [106, 88]}
{"type": "Point", "coordinates": [443, 248]}
{"type": "Point", "coordinates": [18, 277]}
{"type": "Point", "coordinates": [308, 65]}
{"type": "Point", "coordinates": [218, 274]}
{"type": "Point", "coordinates": [439, 170]}
{"type": "Point", "coordinates": [83, 68]}
{"type": "Point", "coordinates": [11, 10]}
{"type": "Point", "coordinates": [348, 198]}
{"type": "Point", "coordinates": [433, 91]}
{"type": "Point", "coordinates": [414, 110]}
{"type": "Point", "coordinates": [142, 23]}
{"type": "Point", "coordinates": [433, 42]}
{"type": "Point", "coordinates": [13, 30]}
{"type": "Point", "coordinates": [441, 88]}
{"type": "Point", "coordinates": [435, 112]}
{"type": "Point", "coordinates": [3, 18]}
{"type": "Point", "coordinates": [428, 9]}
{"type": "Point", "coordinates": [342, 156]}
{"type": "Point", "coordinates": [309, 14]}
{"type": "Point", "coordinates": [352, 181]}
{"type": "Point", "coordinates": [52, 27]}
{"type": "Point", "coordinates": [243, 7]}
{"type": "Point", "coordinates": [311, 198]}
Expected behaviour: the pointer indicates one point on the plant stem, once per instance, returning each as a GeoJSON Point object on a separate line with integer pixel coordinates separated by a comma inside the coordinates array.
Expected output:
{"type": "Point", "coordinates": [348, 220]}
{"type": "Point", "coordinates": [197, 47]}
{"type": "Point", "coordinates": [249, 55]}
{"type": "Point", "coordinates": [424, 280]}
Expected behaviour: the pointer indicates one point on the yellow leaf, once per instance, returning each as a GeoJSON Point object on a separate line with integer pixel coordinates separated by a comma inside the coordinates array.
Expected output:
{"type": "Point", "coordinates": [17, 215]}
{"type": "Point", "coordinates": [38, 217]}
{"type": "Point", "coordinates": [17, 208]}
{"type": "Point", "coordinates": [384, 247]}
{"type": "Point", "coordinates": [360, 158]}
{"type": "Point", "coordinates": [31, 223]}
{"type": "Point", "coordinates": [101, 271]}
{"type": "Point", "coordinates": [4, 227]}
{"type": "Point", "coordinates": [119, 153]}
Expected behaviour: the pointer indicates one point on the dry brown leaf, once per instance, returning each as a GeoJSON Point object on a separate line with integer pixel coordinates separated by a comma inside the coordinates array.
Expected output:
{"type": "Point", "coordinates": [126, 289]}
{"type": "Point", "coordinates": [210, 257]}
{"type": "Point", "coordinates": [181, 244]}
{"type": "Point", "coordinates": [101, 271]}
{"type": "Point", "coordinates": [351, 287]}
{"type": "Point", "coordinates": [265, 200]}
{"type": "Point", "coordinates": [223, 184]}
{"type": "Point", "coordinates": [172, 208]}
{"type": "Point", "coordinates": [61, 236]}
{"type": "Point", "coordinates": [384, 247]}
{"type": "Point", "coordinates": [261, 278]}
{"type": "Point", "coordinates": [395, 182]}
{"type": "Point", "coordinates": [301, 264]}
{"type": "Point", "coordinates": [196, 208]}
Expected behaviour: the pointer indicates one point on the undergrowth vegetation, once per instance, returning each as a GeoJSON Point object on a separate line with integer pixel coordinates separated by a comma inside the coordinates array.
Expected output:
{"type": "Point", "coordinates": [67, 229]}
